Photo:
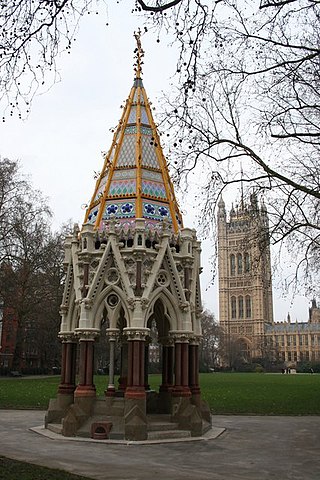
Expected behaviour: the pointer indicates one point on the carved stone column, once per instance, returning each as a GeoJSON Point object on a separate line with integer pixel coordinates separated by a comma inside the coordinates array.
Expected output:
{"type": "Point", "coordinates": [167, 364]}
{"type": "Point", "coordinates": [194, 370]}
{"type": "Point", "coordinates": [112, 336]}
{"type": "Point", "coordinates": [146, 363]}
{"type": "Point", "coordinates": [123, 380]}
{"type": "Point", "coordinates": [181, 382]}
{"type": "Point", "coordinates": [68, 365]}
{"type": "Point", "coordinates": [136, 363]}
{"type": "Point", "coordinates": [86, 388]}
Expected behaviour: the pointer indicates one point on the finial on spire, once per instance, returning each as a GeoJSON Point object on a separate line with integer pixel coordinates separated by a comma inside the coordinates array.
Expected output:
{"type": "Point", "coordinates": [139, 54]}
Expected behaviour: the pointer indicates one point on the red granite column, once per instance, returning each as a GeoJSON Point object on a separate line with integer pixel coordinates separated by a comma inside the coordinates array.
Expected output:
{"type": "Point", "coordinates": [63, 363]}
{"type": "Point", "coordinates": [194, 369]}
{"type": "Point", "coordinates": [67, 383]}
{"type": "Point", "coordinates": [167, 368]}
{"type": "Point", "coordinates": [86, 387]}
{"type": "Point", "coordinates": [181, 386]}
{"type": "Point", "coordinates": [170, 365]}
{"type": "Point", "coordinates": [124, 372]}
{"type": "Point", "coordinates": [177, 366]}
{"type": "Point", "coordinates": [136, 378]}
{"type": "Point", "coordinates": [146, 366]}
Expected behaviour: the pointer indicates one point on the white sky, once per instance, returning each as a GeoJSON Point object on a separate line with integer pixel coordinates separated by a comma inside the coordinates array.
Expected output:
{"type": "Point", "coordinates": [59, 144]}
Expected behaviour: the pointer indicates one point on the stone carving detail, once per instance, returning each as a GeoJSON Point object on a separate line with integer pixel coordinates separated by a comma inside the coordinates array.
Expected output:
{"type": "Point", "coordinates": [112, 276]}
{"type": "Point", "coordinates": [112, 300]}
{"type": "Point", "coordinates": [136, 334]}
{"type": "Point", "coordinates": [162, 279]}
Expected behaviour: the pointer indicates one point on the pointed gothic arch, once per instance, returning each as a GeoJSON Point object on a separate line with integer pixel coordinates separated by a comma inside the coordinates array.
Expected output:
{"type": "Point", "coordinates": [104, 300]}
{"type": "Point", "coordinates": [170, 309]}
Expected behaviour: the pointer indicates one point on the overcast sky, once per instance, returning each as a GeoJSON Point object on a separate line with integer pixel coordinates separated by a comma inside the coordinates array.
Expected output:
{"type": "Point", "coordinates": [60, 143]}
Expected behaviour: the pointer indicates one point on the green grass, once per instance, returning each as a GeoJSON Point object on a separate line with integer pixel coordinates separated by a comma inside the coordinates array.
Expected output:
{"type": "Point", "coordinates": [226, 393]}
{"type": "Point", "coordinates": [13, 470]}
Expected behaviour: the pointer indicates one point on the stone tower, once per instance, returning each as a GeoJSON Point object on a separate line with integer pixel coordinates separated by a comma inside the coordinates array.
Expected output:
{"type": "Point", "coordinates": [245, 288]}
{"type": "Point", "coordinates": [132, 265]}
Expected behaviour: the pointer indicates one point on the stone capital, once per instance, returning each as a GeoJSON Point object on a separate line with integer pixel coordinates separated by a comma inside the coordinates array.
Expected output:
{"type": "Point", "coordinates": [88, 335]}
{"type": "Point", "coordinates": [136, 333]}
{"type": "Point", "coordinates": [166, 341]}
{"type": "Point", "coordinates": [195, 339]}
{"type": "Point", "coordinates": [113, 333]}
{"type": "Point", "coordinates": [180, 336]}
{"type": "Point", "coordinates": [67, 337]}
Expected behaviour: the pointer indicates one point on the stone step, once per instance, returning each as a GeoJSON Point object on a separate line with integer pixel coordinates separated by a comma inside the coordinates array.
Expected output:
{"type": "Point", "coordinates": [168, 434]}
{"type": "Point", "coordinates": [162, 426]}
{"type": "Point", "coordinates": [55, 427]}
{"type": "Point", "coordinates": [158, 417]}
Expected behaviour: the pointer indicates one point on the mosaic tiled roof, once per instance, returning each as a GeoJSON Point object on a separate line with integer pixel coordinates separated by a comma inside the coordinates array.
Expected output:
{"type": "Point", "coordinates": [134, 181]}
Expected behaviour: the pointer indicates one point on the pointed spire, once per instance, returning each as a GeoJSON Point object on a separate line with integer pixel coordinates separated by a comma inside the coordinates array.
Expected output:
{"type": "Point", "coordinates": [134, 181]}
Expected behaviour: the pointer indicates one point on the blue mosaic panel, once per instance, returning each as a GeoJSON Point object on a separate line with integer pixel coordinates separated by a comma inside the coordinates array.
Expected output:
{"type": "Point", "coordinates": [121, 209]}
{"type": "Point", "coordinates": [155, 211]}
{"type": "Point", "coordinates": [144, 116]}
{"type": "Point", "coordinates": [153, 189]}
{"type": "Point", "coordinates": [133, 115]}
{"type": "Point", "coordinates": [149, 157]}
{"type": "Point", "coordinates": [127, 154]}
{"type": "Point", "coordinates": [93, 214]}
{"type": "Point", "coordinates": [122, 187]}
{"type": "Point", "coordinates": [146, 130]}
{"type": "Point", "coordinates": [130, 130]}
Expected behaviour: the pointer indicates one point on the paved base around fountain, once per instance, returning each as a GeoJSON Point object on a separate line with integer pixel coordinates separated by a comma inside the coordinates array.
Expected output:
{"type": "Point", "coordinates": [250, 447]}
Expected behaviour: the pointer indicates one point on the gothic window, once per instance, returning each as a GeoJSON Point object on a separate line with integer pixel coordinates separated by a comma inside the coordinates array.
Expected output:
{"type": "Point", "coordinates": [239, 257]}
{"type": "Point", "coordinates": [232, 264]}
{"type": "Point", "coordinates": [233, 307]}
{"type": "Point", "coordinates": [248, 306]}
{"type": "Point", "coordinates": [240, 306]}
{"type": "Point", "coordinates": [247, 267]}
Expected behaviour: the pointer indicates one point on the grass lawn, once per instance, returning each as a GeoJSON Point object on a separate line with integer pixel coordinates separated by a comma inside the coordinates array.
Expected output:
{"type": "Point", "coordinates": [226, 393]}
{"type": "Point", "coordinates": [13, 470]}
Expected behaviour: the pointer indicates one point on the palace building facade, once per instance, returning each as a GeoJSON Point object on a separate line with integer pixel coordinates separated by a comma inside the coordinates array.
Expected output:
{"type": "Point", "coordinates": [245, 293]}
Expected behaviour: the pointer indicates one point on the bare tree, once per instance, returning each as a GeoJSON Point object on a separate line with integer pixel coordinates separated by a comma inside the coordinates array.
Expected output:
{"type": "Point", "coordinates": [33, 33]}
{"type": "Point", "coordinates": [31, 272]}
{"type": "Point", "coordinates": [210, 343]}
{"type": "Point", "coordinates": [247, 111]}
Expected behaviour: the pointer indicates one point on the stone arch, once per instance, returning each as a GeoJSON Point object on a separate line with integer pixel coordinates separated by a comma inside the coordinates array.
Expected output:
{"type": "Point", "coordinates": [160, 317]}
{"type": "Point", "coordinates": [101, 304]}
{"type": "Point", "coordinates": [170, 310]}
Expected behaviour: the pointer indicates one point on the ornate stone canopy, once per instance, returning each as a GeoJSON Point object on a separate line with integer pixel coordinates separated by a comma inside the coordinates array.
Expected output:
{"type": "Point", "coordinates": [135, 266]}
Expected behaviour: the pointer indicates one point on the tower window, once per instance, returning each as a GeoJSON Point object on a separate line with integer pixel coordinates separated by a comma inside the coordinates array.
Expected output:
{"type": "Point", "coordinates": [248, 306]}
{"type": "Point", "coordinates": [232, 265]}
{"type": "Point", "coordinates": [240, 304]}
{"type": "Point", "coordinates": [247, 266]}
{"type": "Point", "coordinates": [239, 257]}
{"type": "Point", "coordinates": [233, 307]}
